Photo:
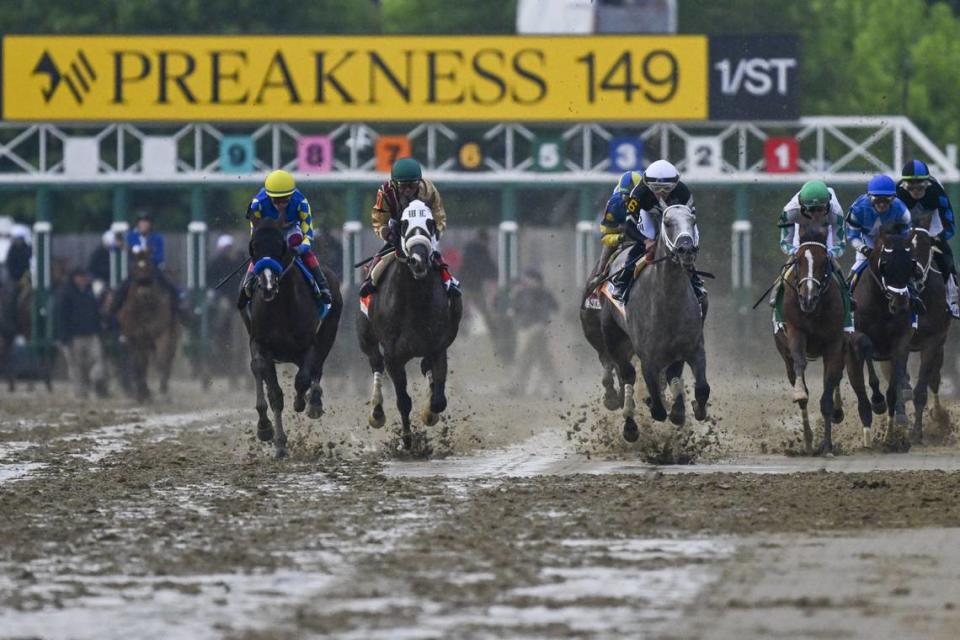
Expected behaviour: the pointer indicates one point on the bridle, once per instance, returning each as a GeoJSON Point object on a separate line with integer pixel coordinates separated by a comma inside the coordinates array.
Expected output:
{"type": "Point", "coordinates": [925, 269]}
{"type": "Point", "coordinates": [821, 286]}
{"type": "Point", "coordinates": [671, 245]}
{"type": "Point", "coordinates": [881, 280]}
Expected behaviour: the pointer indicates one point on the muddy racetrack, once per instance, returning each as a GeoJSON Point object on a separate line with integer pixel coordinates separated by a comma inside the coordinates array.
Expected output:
{"type": "Point", "coordinates": [530, 518]}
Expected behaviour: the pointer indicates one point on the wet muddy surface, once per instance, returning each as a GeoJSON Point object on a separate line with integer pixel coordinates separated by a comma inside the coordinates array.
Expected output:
{"type": "Point", "coordinates": [530, 518]}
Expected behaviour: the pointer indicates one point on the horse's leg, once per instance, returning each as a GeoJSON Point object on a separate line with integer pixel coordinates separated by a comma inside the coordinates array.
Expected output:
{"type": "Point", "coordinates": [856, 355]}
{"type": "Point", "coordinates": [437, 375]}
{"type": "Point", "coordinates": [323, 343]}
{"type": "Point", "coordinates": [797, 341]}
{"type": "Point", "coordinates": [612, 398]}
{"type": "Point", "coordinates": [398, 374]}
{"type": "Point", "coordinates": [651, 377]}
{"type": "Point", "coordinates": [275, 395]}
{"type": "Point", "coordinates": [937, 412]}
{"type": "Point", "coordinates": [301, 382]}
{"type": "Point", "coordinates": [258, 365]}
{"type": "Point", "coordinates": [832, 374]}
{"type": "Point", "coordinates": [927, 357]}
{"type": "Point", "coordinates": [701, 388]}
{"type": "Point", "coordinates": [877, 400]}
{"type": "Point", "coordinates": [620, 350]}
{"type": "Point", "coordinates": [166, 350]}
{"type": "Point", "coordinates": [138, 363]}
{"type": "Point", "coordinates": [678, 410]}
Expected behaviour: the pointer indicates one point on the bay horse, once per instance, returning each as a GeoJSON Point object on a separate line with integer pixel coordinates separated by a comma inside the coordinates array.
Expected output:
{"type": "Point", "coordinates": [285, 325]}
{"type": "Point", "coordinates": [590, 323]}
{"type": "Point", "coordinates": [932, 327]}
{"type": "Point", "coordinates": [883, 320]}
{"type": "Point", "coordinates": [148, 324]}
{"type": "Point", "coordinates": [813, 328]}
{"type": "Point", "coordinates": [664, 325]}
{"type": "Point", "coordinates": [410, 316]}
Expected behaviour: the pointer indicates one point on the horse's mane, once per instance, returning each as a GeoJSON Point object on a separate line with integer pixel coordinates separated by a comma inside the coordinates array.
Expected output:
{"type": "Point", "coordinates": [267, 240]}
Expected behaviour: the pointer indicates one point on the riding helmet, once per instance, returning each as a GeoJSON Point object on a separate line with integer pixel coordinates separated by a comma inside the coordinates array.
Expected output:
{"type": "Point", "coordinates": [279, 184]}
{"type": "Point", "coordinates": [661, 174]}
{"type": "Point", "coordinates": [814, 194]}
{"type": "Point", "coordinates": [406, 170]}
{"type": "Point", "coordinates": [881, 185]}
{"type": "Point", "coordinates": [915, 170]}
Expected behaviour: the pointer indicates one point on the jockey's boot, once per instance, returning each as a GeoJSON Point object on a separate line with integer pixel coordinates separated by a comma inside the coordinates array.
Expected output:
{"type": "Point", "coordinates": [621, 285]}
{"type": "Point", "coordinates": [322, 291]}
{"type": "Point", "coordinates": [847, 299]}
{"type": "Point", "coordinates": [952, 294]}
{"type": "Point", "coordinates": [451, 284]}
{"type": "Point", "coordinates": [367, 287]}
{"type": "Point", "coordinates": [246, 289]}
{"type": "Point", "coordinates": [916, 302]}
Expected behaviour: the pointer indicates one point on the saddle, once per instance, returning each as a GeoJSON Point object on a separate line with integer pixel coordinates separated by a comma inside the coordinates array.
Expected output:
{"type": "Point", "coordinates": [598, 285]}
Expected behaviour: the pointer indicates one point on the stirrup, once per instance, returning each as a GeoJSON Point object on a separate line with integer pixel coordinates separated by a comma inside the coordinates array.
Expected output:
{"type": "Point", "coordinates": [453, 288]}
{"type": "Point", "coordinates": [367, 288]}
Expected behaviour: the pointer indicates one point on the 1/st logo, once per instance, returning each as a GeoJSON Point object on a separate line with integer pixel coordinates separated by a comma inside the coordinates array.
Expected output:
{"type": "Point", "coordinates": [759, 76]}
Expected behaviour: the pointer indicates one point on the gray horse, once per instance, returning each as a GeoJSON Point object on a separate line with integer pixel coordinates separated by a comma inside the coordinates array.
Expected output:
{"type": "Point", "coordinates": [410, 316]}
{"type": "Point", "coordinates": [664, 323]}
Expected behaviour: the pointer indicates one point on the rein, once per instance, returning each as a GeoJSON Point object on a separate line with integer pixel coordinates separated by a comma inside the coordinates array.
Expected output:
{"type": "Point", "coordinates": [925, 270]}
{"type": "Point", "coordinates": [821, 286]}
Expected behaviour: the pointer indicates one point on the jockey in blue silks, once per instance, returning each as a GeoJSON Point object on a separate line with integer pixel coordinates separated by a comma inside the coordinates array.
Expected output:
{"type": "Point", "coordinates": [879, 207]}
{"type": "Point", "coordinates": [279, 199]}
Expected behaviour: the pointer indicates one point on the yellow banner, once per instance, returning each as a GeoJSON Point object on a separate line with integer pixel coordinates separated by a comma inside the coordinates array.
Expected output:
{"type": "Point", "coordinates": [359, 78]}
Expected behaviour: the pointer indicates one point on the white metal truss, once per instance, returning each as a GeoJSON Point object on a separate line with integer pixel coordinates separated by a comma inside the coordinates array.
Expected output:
{"type": "Point", "coordinates": [838, 149]}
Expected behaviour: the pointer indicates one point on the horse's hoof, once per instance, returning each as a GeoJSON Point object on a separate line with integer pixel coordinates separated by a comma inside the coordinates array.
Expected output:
{"type": "Point", "coordinates": [678, 418]}
{"type": "Point", "coordinates": [837, 416]}
{"type": "Point", "coordinates": [611, 401]}
{"type": "Point", "coordinates": [916, 435]}
{"type": "Point", "coordinates": [879, 406]}
{"type": "Point", "coordinates": [658, 413]}
{"type": "Point", "coordinates": [281, 453]}
{"type": "Point", "coordinates": [630, 431]}
{"type": "Point", "coordinates": [265, 434]}
{"type": "Point", "coordinates": [900, 419]}
{"type": "Point", "coordinates": [439, 407]}
{"type": "Point", "coordinates": [429, 418]}
{"type": "Point", "coordinates": [299, 404]}
{"type": "Point", "coordinates": [377, 418]}
{"type": "Point", "coordinates": [314, 411]}
{"type": "Point", "coordinates": [408, 442]}
{"type": "Point", "coordinates": [699, 411]}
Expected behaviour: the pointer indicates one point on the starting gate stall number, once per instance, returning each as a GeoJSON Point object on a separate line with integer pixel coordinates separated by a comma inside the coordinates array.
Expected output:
{"type": "Point", "coordinates": [389, 149]}
{"type": "Point", "coordinates": [470, 156]}
{"type": "Point", "coordinates": [315, 154]}
{"type": "Point", "coordinates": [236, 154]}
{"type": "Point", "coordinates": [704, 155]}
{"type": "Point", "coordinates": [781, 155]}
{"type": "Point", "coordinates": [548, 154]}
{"type": "Point", "coordinates": [625, 154]}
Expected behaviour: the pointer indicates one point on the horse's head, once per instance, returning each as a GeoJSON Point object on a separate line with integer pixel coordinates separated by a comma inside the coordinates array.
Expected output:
{"type": "Point", "coordinates": [267, 251]}
{"type": "Point", "coordinates": [142, 269]}
{"type": "Point", "coordinates": [811, 273]}
{"type": "Point", "coordinates": [892, 260]}
{"type": "Point", "coordinates": [418, 237]}
{"type": "Point", "coordinates": [679, 235]}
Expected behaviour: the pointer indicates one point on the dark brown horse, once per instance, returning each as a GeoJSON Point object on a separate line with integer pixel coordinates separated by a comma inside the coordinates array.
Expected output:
{"type": "Point", "coordinates": [285, 325]}
{"type": "Point", "coordinates": [883, 322]}
{"type": "Point", "coordinates": [931, 334]}
{"type": "Point", "coordinates": [149, 325]}
{"type": "Point", "coordinates": [813, 328]}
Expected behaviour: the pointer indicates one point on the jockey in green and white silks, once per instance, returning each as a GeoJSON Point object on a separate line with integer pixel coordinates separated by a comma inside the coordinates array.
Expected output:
{"type": "Point", "coordinates": [814, 199]}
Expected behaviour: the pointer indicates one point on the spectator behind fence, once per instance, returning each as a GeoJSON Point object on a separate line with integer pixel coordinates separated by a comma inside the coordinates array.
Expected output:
{"type": "Point", "coordinates": [225, 259]}
{"type": "Point", "coordinates": [533, 307]}
{"type": "Point", "coordinates": [99, 263]}
{"type": "Point", "coordinates": [18, 257]}
{"type": "Point", "coordinates": [79, 325]}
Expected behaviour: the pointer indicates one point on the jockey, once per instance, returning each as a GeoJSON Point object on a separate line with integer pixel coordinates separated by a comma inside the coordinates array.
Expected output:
{"type": "Point", "coordinates": [878, 207]}
{"type": "Point", "coordinates": [279, 199]}
{"type": "Point", "coordinates": [815, 198]}
{"type": "Point", "coordinates": [642, 209]}
{"type": "Point", "coordinates": [140, 238]}
{"type": "Point", "coordinates": [613, 227]}
{"type": "Point", "coordinates": [406, 184]}
{"type": "Point", "coordinates": [921, 192]}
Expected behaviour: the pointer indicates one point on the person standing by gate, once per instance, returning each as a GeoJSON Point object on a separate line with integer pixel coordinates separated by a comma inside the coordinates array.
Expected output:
{"type": "Point", "coordinates": [79, 324]}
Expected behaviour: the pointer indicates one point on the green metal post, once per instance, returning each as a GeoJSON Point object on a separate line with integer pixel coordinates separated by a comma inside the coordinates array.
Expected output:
{"type": "Point", "coordinates": [351, 239]}
{"type": "Point", "coordinates": [586, 249]}
{"type": "Point", "coordinates": [119, 227]}
{"type": "Point", "coordinates": [41, 333]}
{"type": "Point", "coordinates": [741, 254]}
{"type": "Point", "coordinates": [197, 275]}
